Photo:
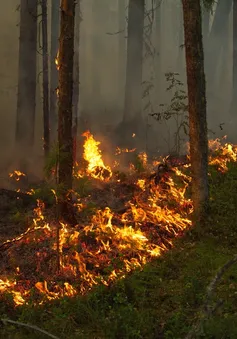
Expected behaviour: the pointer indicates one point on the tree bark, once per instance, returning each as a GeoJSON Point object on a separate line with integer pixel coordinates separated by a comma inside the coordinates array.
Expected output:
{"type": "Point", "coordinates": [45, 77]}
{"type": "Point", "coordinates": [65, 143]}
{"type": "Point", "coordinates": [133, 86]}
{"type": "Point", "coordinates": [26, 98]}
{"type": "Point", "coordinates": [55, 6]}
{"type": "Point", "coordinates": [197, 105]}
{"type": "Point", "coordinates": [76, 77]}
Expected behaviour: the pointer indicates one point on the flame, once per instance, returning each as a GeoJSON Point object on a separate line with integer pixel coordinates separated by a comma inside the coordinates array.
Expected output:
{"type": "Point", "coordinates": [141, 183]}
{"type": "Point", "coordinates": [92, 155]}
{"type": "Point", "coordinates": [8, 286]}
{"type": "Point", "coordinates": [57, 60]}
{"type": "Point", "coordinates": [17, 175]}
{"type": "Point", "coordinates": [143, 158]}
{"type": "Point", "coordinates": [124, 150]}
{"type": "Point", "coordinates": [221, 155]}
{"type": "Point", "coordinates": [107, 244]}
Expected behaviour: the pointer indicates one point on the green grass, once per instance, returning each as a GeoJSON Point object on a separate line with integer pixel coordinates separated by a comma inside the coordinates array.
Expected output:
{"type": "Point", "coordinates": [162, 301]}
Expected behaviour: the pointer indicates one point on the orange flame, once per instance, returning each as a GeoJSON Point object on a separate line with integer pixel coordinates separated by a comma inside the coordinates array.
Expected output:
{"type": "Point", "coordinates": [107, 244]}
{"type": "Point", "coordinates": [17, 175]}
{"type": "Point", "coordinates": [92, 155]}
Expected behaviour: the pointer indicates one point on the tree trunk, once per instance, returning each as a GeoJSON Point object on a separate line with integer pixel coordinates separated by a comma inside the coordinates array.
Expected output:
{"type": "Point", "coordinates": [180, 61]}
{"type": "Point", "coordinates": [216, 37]}
{"type": "Point", "coordinates": [76, 77]}
{"type": "Point", "coordinates": [26, 98]}
{"type": "Point", "coordinates": [133, 86]}
{"type": "Point", "coordinates": [45, 77]}
{"type": "Point", "coordinates": [158, 73]}
{"type": "Point", "coordinates": [96, 56]}
{"type": "Point", "coordinates": [197, 105]}
{"type": "Point", "coordinates": [234, 88]}
{"type": "Point", "coordinates": [55, 5]}
{"type": "Point", "coordinates": [121, 51]}
{"type": "Point", "coordinates": [205, 26]}
{"type": "Point", "coordinates": [66, 51]}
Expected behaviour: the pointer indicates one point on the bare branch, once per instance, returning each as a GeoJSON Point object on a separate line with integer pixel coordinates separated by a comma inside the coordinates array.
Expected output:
{"type": "Point", "coordinates": [121, 31]}
{"type": "Point", "coordinates": [5, 321]}
{"type": "Point", "coordinates": [207, 311]}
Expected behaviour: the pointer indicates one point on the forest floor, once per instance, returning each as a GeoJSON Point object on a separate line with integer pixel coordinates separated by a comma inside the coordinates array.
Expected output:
{"type": "Point", "coordinates": [163, 300]}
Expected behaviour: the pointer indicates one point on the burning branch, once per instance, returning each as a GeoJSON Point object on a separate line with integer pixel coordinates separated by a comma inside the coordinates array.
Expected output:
{"type": "Point", "coordinates": [36, 328]}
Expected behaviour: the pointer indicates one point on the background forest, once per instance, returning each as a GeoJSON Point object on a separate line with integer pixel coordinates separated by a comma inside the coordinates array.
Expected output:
{"type": "Point", "coordinates": [103, 40]}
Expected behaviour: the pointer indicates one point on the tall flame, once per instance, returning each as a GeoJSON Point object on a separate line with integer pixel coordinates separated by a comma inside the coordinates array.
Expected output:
{"type": "Point", "coordinates": [92, 154]}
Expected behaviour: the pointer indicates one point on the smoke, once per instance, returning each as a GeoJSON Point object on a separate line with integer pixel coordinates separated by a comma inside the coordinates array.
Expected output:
{"type": "Point", "coordinates": [103, 43]}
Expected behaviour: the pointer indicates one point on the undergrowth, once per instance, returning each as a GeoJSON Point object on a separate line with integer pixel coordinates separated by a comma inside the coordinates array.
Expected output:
{"type": "Point", "coordinates": [163, 300]}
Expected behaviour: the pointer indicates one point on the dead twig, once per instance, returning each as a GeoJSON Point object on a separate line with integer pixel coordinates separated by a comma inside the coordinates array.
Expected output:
{"type": "Point", "coordinates": [33, 327]}
{"type": "Point", "coordinates": [207, 310]}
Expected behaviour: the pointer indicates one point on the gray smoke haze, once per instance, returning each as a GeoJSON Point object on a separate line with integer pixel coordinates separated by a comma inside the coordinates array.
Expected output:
{"type": "Point", "coordinates": [102, 75]}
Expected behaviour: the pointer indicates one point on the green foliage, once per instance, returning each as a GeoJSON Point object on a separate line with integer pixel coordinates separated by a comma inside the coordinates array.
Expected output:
{"type": "Point", "coordinates": [138, 163]}
{"type": "Point", "coordinates": [177, 109]}
{"type": "Point", "coordinates": [83, 186]}
{"type": "Point", "coordinates": [51, 161]}
{"type": "Point", "coordinates": [178, 105]}
{"type": "Point", "coordinates": [89, 210]}
{"type": "Point", "coordinates": [44, 193]}
{"type": "Point", "coordinates": [208, 4]}
{"type": "Point", "coordinates": [18, 216]}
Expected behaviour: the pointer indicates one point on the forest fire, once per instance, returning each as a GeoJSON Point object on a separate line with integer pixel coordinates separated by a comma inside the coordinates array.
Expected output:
{"type": "Point", "coordinates": [138, 220]}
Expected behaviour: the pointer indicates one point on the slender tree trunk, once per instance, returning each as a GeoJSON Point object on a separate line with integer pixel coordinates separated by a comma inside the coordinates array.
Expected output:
{"type": "Point", "coordinates": [45, 77]}
{"type": "Point", "coordinates": [205, 26]}
{"type": "Point", "coordinates": [121, 50]}
{"type": "Point", "coordinates": [133, 87]}
{"type": "Point", "coordinates": [97, 47]}
{"type": "Point", "coordinates": [26, 98]}
{"type": "Point", "coordinates": [234, 85]}
{"type": "Point", "coordinates": [65, 143]}
{"type": "Point", "coordinates": [224, 67]}
{"type": "Point", "coordinates": [158, 73]}
{"type": "Point", "coordinates": [181, 44]}
{"type": "Point", "coordinates": [76, 77]}
{"type": "Point", "coordinates": [197, 105]}
{"type": "Point", "coordinates": [216, 37]}
{"type": "Point", "coordinates": [55, 6]}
